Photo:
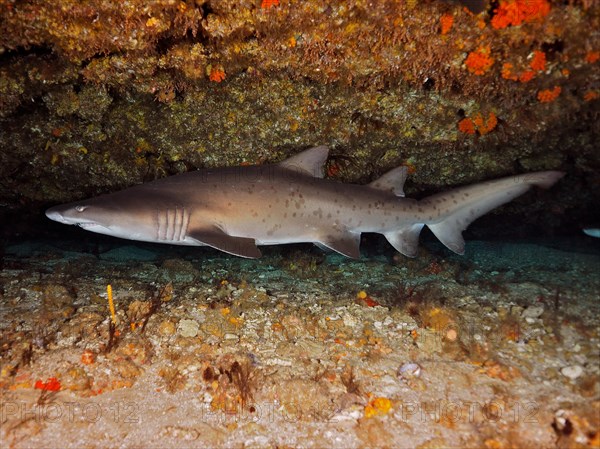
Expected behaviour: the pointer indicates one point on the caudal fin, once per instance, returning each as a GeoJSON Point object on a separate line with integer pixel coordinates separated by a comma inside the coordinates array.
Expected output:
{"type": "Point", "coordinates": [448, 214]}
{"type": "Point", "coordinates": [592, 232]}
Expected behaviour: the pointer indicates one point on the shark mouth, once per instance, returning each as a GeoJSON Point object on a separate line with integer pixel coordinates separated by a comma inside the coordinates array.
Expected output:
{"type": "Point", "coordinates": [87, 224]}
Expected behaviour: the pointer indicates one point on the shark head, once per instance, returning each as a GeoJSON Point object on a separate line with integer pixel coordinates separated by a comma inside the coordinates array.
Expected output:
{"type": "Point", "coordinates": [80, 214]}
{"type": "Point", "coordinates": [101, 215]}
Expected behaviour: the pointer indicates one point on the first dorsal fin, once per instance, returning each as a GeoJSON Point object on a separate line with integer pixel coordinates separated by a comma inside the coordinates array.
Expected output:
{"type": "Point", "coordinates": [310, 162]}
{"type": "Point", "coordinates": [392, 181]}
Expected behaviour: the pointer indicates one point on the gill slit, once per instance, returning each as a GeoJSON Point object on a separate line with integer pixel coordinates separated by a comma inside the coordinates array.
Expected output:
{"type": "Point", "coordinates": [172, 224]}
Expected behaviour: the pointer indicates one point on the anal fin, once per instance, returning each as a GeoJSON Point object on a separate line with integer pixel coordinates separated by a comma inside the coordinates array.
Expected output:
{"type": "Point", "coordinates": [345, 243]}
{"type": "Point", "coordinates": [238, 246]}
{"type": "Point", "coordinates": [406, 240]}
{"type": "Point", "coordinates": [449, 232]}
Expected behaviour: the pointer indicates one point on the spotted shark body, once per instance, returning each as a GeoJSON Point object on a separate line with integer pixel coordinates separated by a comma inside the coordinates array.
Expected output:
{"type": "Point", "coordinates": [237, 208]}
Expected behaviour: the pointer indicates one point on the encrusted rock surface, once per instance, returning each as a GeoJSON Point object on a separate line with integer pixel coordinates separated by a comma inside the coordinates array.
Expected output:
{"type": "Point", "coordinates": [95, 96]}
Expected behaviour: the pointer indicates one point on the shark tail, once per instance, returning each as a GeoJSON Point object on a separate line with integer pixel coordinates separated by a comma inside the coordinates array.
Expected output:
{"type": "Point", "coordinates": [449, 213]}
{"type": "Point", "coordinates": [592, 232]}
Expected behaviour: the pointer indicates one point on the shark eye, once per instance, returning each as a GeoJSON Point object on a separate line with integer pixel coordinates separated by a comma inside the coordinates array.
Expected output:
{"type": "Point", "coordinates": [80, 208]}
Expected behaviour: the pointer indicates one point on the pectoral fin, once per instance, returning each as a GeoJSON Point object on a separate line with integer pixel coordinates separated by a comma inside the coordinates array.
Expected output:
{"type": "Point", "coordinates": [216, 238]}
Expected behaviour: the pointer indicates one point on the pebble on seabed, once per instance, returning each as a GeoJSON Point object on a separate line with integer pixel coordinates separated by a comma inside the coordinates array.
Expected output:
{"type": "Point", "coordinates": [409, 371]}
{"type": "Point", "coordinates": [572, 371]}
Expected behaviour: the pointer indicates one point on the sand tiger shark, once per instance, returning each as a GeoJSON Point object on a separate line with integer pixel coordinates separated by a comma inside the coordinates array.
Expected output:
{"type": "Point", "coordinates": [234, 209]}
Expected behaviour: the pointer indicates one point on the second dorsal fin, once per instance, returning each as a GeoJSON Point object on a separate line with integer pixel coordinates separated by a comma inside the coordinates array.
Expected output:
{"type": "Point", "coordinates": [392, 181]}
{"type": "Point", "coordinates": [310, 162]}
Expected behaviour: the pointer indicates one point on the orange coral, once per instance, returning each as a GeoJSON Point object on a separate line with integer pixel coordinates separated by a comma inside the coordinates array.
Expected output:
{"type": "Point", "coordinates": [217, 74]}
{"type": "Point", "coordinates": [507, 72]}
{"type": "Point", "coordinates": [479, 61]}
{"type": "Point", "coordinates": [111, 303]}
{"type": "Point", "coordinates": [549, 95]}
{"type": "Point", "coordinates": [591, 95]}
{"type": "Point", "coordinates": [526, 76]}
{"type": "Point", "coordinates": [466, 126]}
{"type": "Point", "coordinates": [538, 62]}
{"type": "Point", "coordinates": [88, 357]}
{"type": "Point", "coordinates": [152, 22]}
{"type": "Point", "coordinates": [411, 168]}
{"type": "Point", "coordinates": [478, 124]}
{"type": "Point", "coordinates": [592, 56]}
{"type": "Point", "coordinates": [333, 170]}
{"type": "Point", "coordinates": [485, 126]}
{"type": "Point", "coordinates": [378, 407]}
{"type": "Point", "coordinates": [446, 22]}
{"type": "Point", "coordinates": [266, 4]}
{"type": "Point", "coordinates": [365, 299]}
{"type": "Point", "coordinates": [52, 384]}
{"type": "Point", "coordinates": [517, 12]}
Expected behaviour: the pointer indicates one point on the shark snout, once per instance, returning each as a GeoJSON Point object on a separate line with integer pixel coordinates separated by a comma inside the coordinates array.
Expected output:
{"type": "Point", "coordinates": [72, 215]}
{"type": "Point", "coordinates": [62, 215]}
{"type": "Point", "coordinates": [54, 214]}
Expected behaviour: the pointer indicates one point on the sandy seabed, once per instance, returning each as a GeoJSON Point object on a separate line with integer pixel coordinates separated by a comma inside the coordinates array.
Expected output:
{"type": "Point", "coordinates": [495, 349]}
